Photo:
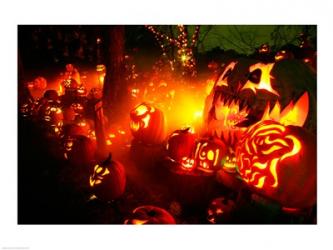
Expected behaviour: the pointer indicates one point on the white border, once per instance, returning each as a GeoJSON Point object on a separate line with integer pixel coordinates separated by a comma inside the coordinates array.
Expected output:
{"type": "Point", "coordinates": [163, 12]}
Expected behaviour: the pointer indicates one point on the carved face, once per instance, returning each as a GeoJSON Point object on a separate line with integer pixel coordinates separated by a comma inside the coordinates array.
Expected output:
{"type": "Point", "coordinates": [108, 180]}
{"type": "Point", "coordinates": [147, 124]}
{"type": "Point", "coordinates": [98, 175]}
{"type": "Point", "coordinates": [140, 117]}
{"type": "Point", "coordinates": [278, 161]}
{"type": "Point", "coordinates": [247, 90]}
{"type": "Point", "coordinates": [77, 107]}
{"type": "Point", "coordinates": [209, 154]}
{"type": "Point", "coordinates": [220, 210]}
{"type": "Point", "coordinates": [264, 49]}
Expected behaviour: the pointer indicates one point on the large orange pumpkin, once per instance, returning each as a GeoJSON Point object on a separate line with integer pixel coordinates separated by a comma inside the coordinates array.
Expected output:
{"type": "Point", "coordinates": [279, 162]}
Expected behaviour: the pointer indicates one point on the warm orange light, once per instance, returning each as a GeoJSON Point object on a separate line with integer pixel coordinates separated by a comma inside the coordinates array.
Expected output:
{"type": "Point", "coordinates": [292, 114]}
{"type": "Point", "coordinates": [141, 110]}
{"type": "Point", "coordinates": [265, 79]}
{"type": "Point", "coordinates": [223, 79]}
{"type": "Point", "coordinates": [272, 146]}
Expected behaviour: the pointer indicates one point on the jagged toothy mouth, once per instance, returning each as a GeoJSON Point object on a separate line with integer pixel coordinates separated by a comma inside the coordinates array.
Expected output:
{"type": "Point", "coordinates": [232, 116]}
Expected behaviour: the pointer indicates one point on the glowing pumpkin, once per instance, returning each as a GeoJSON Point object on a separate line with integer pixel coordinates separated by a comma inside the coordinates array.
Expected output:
{"type": "Point", "coordinates": [51, 117]}
{"type": "Point", "coordinates": [147, 124]}
{"type": "Point", "coordinates": [150, 215]}
{"type": "Point", "coordinates": [220, 210]}
{"type": "Point", "coordinates": [180, 145]}
{"type": "Point", "coordinates": [249, 89]}
{"type": "Point", "coordinates": [279, 162]}
{"type": "Point", "coordinates": [108, 180]}
{"type": "Point", "coordinates": [209, 154]}
{"type": "Point", "coordinates": [228, 174]}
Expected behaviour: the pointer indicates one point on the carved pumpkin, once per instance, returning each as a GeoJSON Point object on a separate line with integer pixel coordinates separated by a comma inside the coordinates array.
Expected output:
{"type": "Point", "coordinates": [150, 215]}
{"type": "Point", "coordinates": [51, 117]}
{"type": "Point", "coordinates": [209, 154]}
{"type": "Point", "coordinates": [220, 210]}
{"type": "Point", "coordinates": [180, 145]}
{"type": "Point", "coordinates": [228, 175]}
{"type": "Point", "coordinates": [108, 180]}
{"type": "Point", "coordinates": [79, 150]}
{"type": "Point", "coordinates": [247, 88]}
{"type": "Point", "coordinates": [279, 162]}
{"type": "Point", "coordinates": [147, 124]}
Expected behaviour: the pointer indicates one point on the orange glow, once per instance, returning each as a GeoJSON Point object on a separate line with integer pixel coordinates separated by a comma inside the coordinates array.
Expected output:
{"type": "Point", "coordinates": [139, 222]}
{"type": "Point", "coordinates": [292, 114]}
{"type": "Point", "coordinates": [223, 80]}
{"type": "Point", "coordinates": [187, 163]}
{"type": "Point", "coordinates": [265, 80]}
{"type": "Point", "coordinates": [141, 110]}
{"type": "Point", "coordinates": [273, 146]}
{"type": "Point", "coordinates": [146, 120]}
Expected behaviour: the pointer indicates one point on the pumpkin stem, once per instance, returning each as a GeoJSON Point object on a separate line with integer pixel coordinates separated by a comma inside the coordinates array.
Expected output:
{"type": "Point", "coordinates": [108, 160]}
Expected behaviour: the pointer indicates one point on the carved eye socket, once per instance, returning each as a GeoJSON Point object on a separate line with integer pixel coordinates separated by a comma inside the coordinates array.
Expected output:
{"type": "Point", "coordinates": [259, 78]}
{"type": "Point", "coordinates": [223, 80]}
{"type": "Point", "coordinates": [255, 76]}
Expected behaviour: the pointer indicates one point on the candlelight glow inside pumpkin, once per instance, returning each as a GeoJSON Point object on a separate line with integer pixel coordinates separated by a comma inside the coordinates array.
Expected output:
{"type": "Point", "coordinates": [209, 154]}
{"type": "Point", "coordinates": [279, 162]}
{"type": "Point", "coordinates": [147, 124]}
{"type": "Point", "coordinates": [246, 91]}
{"type": "Point", "coordinates": [108, 179]}
{"type": "Point", "coordinates": [266, 145]}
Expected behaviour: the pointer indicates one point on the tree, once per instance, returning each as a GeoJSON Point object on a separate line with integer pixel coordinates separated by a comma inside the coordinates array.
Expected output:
{"type": "Point", "coordinates": [114, 79]}
{"type": "Point", "coordinates": [185, 44]}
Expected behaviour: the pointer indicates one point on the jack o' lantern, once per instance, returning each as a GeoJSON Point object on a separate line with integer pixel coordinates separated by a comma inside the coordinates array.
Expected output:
{"type": "Point", "coordinates": [180, 145]}
{"type": "Point", "coordinates": [51, 117]}
{"type": "Point", "coordinates": [108, 179]}
{"type": "Point", "coordinates": [78, 108]}
{"type": "Point", "coordinates": [150, 215]}
{"type": "Point", "coordinates": [228, 174]}
{"type": "Point", "coordinates": [208, 154]}
{"type": "Point", "coordinates": [279, 162]}
{"type": "Point", "coordinates": [283, 55]}
{"type": "Point", "coordinates": [79, 150]}
{"type": "Point", "coordinates": [247, 88]}
{"type": "Point", "coordinates": [147, 124]}
{"type": "Point", "coordinates": [221, 210]}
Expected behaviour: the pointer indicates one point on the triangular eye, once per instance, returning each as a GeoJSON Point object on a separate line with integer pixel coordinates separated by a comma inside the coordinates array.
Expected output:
{"type": "Point", "coordinates": [255, 76]}
{"type": "Point", "coordinates": [227, 74]}
{"type": "Point", "coordinates": [223, 80]}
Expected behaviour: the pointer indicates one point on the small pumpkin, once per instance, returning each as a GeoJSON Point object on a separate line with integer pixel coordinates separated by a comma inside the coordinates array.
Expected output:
{"type": "Point", "coordinates": [180, 144]}
{"type": "Point", "coordinates": [279, 162]}
{"type": "Point", "coordinates": [147, 124]}
{"type": "Point", "coordinates": [108, 180]}
{"type": "Point", "coordinates": [150, 215]}
{"type": "Point", "coordinates": [221, 210]}
{"type": "Point", "coordinates": [208, 154]}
